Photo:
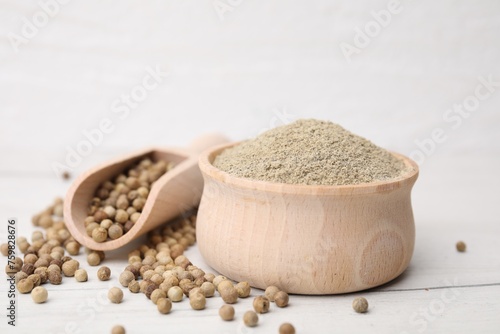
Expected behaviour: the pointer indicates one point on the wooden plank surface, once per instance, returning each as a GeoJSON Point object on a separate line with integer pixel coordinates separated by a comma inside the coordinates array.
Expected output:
{"type": "Point", "coordinates": [442, 290]}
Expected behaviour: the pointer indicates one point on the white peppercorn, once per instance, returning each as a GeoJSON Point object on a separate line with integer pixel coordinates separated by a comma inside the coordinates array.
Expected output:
{"type": "Point", "coordinates": [226, 312]}
{"type": "Point", "coordinates": [115, 295]}
{"type": "Point", "coordinates": [126, 277]}
{"type": "Point", "coordinates": [35, 278]}
{"type": "Point", "coordinates": [5, 249]}
{"type": "Point", "coordinates": [91, 227]}
{"type": "Point", "coordinates": [360, 305]}
{"type": "Point", "coordinates": [54, 267]}
{"type": "Point", "coordinates": [143, 192]}
{"type": "Point", "coordinates": [81, 275]}
{"type": "Point", "coordinates": [139, 203]}
{"type": "Point", "coordinates": [261, 304]}
{"type": "Point", "coordinates": [99, 216]}
{"type": "Point", "coordinates": [175, 294]}
{"type": "Point", "coordinates": [42, 262]}
{"type": "Point", "coordinates": [69, 268]}
{"type": "Point", "coordinates": [461, 246]}
{"type": "Point", "coordinates": [73, 248]}
{"type": "Point", "coordinates": [197, 301]}
{"type": "Point", "coordinates": [250, 319]}
{"type": "Point", "coordinates": [30, 258]}
{"type": "Point", "coordinates": [118, 329]}
{"type": "Point", "coordinates": [39, 295]}
{"type": "Point", "coordinates": [271, 291]}
{"type": "Point", "coordinates": [19, 276]}
{"type": "Point", "coordinates": [228, 294]}
{"type": "Point", "coordinates": [209, 277]}
{"type": "Point", "coordinates": [55, 277]}
{"type": "Point", "coordinates": [25, 285]}
{"type": "Point", "coordinates": [243, 289]}
{"type": "Point", "coordinates": [106, 223]}
{"type": "Point", "coordinates": [115, 231]}
{"type": "Point", "coordinates": [164, 305]}
{"type": "Point", "coordinates": [99, 234]}
{"type": "Point", "coordinates": [157, 279]}
{"type": "Point", "coordinates": [28, 268]}
{"type": "Point", "coordinates": [208, 289]}
{"type": "Point", "coordinates": [224, 285]}
{"type": "Point", "coordinates": [217, 280]}
{"type": "Point", "coordinates": [121, 216]}
{"type": "Point", "coordinates": [157, 294]}
{"type": "Point", "coordinates": [286, 328]}
{"type": "Point", "coordinates": [134, 217]}
{"type": "Point", "coordinates": [134, 286]}
{"type": "Point", "coordinates": [42, 272]}
{"type": "Point", "coordinates": [104, 273]}
{"type": "Point", "coordinates": [110, 211]}
{"type": "Point", "coordinates": [122, 202]}
{"type": "Point", "coordinates": [281, 299]}
{"type": "Point", "coordinates": [93, 259]}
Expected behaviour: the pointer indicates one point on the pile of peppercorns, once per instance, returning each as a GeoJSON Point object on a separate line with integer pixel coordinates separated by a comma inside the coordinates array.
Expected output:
{"type": "Point", "coordinates": [158, 269]}
{"type": "Point", "coordinates": [117, 204]}
{"type": "Point", "coordinates": [45, 259]}
{"type": "Point", "coordinates": [161, 271]}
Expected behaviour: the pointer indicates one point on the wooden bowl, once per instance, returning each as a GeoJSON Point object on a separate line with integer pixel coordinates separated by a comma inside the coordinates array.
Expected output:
{"type": "Point", "coordinates": [305, 239]}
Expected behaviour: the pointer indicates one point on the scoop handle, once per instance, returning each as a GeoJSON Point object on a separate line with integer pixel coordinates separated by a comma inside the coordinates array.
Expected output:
{"type": "Point", "coordinates": [203, 142]}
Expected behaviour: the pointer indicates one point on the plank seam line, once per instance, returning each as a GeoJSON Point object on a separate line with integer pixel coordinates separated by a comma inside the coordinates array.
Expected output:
{"type": "Point", "coordinates": [441, 287]}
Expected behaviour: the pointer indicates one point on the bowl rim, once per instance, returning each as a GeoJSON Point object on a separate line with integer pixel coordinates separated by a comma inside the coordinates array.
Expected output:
{"type": "Point", "coordinates": [209, 170]}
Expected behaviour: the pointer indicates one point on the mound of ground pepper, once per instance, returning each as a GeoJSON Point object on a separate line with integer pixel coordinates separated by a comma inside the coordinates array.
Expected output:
{"type": "Point", "coordinates": [311, 152]}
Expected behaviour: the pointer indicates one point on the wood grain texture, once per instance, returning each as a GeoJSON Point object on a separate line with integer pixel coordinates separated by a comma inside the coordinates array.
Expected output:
{"type": "Point", "coordinates": [306, 239]}
{"type": "Point", "coordinates": [436, 269]}
{"type": "Point", "coordinates": [172, 194]}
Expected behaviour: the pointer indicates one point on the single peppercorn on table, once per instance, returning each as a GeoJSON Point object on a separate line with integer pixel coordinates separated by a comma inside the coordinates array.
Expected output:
{"type": "Point", "coordinates": [442, 291]}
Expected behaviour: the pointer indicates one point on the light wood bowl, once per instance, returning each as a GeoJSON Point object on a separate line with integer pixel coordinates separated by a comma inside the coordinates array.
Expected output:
{"type": "Point", "coordinates": [305, 239]}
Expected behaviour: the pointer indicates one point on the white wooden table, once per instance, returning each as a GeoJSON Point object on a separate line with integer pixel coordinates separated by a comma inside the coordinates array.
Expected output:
{"type": "Point", "coordinates": [443, 291]}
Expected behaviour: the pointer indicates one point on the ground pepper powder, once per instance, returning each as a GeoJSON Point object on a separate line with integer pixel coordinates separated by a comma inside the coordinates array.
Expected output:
{"type": "Point", "coordinates": [311, 152]}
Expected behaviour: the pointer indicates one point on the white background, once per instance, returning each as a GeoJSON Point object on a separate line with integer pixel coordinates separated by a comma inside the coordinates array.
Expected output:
{"type": "Point", "coordinates": [265, 64]}
{"type": "Point", "coordinates": [231, 75]}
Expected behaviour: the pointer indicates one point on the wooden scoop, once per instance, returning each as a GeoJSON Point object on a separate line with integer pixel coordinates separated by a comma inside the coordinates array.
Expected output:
{"type": "Point", "coordinates": [172, 194]}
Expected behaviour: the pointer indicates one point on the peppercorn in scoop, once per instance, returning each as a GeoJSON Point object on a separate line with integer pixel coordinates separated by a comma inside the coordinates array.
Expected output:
{"type": "Point", "coordinates": [117, 204]}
